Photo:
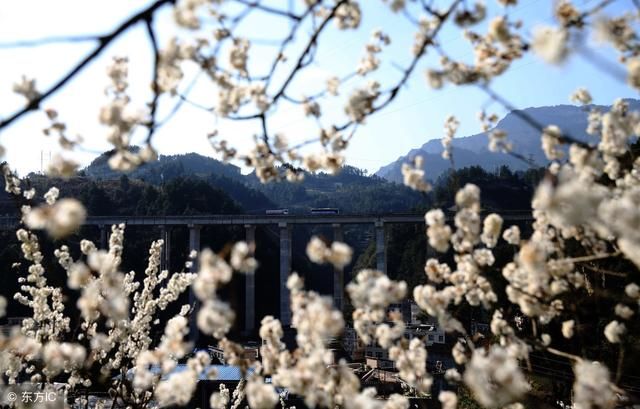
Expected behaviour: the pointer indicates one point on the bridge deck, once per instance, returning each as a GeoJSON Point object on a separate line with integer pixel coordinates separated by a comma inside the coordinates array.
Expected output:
{"type": "Point", "coordinates": [247, 219]}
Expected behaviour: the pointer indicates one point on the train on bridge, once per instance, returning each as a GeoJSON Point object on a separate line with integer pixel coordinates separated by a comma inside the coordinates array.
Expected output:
{"type": "Point", "coordinates": [313, 211]}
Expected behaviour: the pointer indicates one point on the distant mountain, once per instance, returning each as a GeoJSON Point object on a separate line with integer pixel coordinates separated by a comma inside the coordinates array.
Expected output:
{"type": "Point", "coordinates": [473, 150]}
{"type": "Point", "coordinates": [351, 190]}
{"type": "Point", "coordinates": [226, 177]}
{"type": "Point", "coordinates": [167, 167]}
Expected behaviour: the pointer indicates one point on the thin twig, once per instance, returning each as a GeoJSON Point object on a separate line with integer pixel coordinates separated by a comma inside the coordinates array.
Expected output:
{"type": "Point", "coordinates": [195, 104]}
{"type": "Point", "coordinates": [299, 64]}
{"type": "Point", "coordinates": [310, 45]}
{"type": "Point", "coordinates": [593, 257]}
{"type": "Point", "coordinates": [182, 98]}
{"type": "Point", "coordinates": [272, 10]}
{"type": "Point", "coordinates": [52, 40]}
{"type": "Point", "coordinates": [563, 354]}
{"type": "Point", "coordinates": [603, 271]}
{"type": "Point", "coordinates": [393, 92]}
{"type": "Point", "coordinates": [284, 44]}
{"type": "Point", "coordinates": [319, 94]}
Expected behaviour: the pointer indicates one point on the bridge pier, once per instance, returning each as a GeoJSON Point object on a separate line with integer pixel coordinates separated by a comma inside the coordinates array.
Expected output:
{"type": "Point", "coordinates": [194, 244]}
{"type": "Point", "coordinates": [285, 269]}
{"type": "Point", "coordinates": [165, 258]}
{"type": "Point", "coordinates": [338, 273]}
{"type": "Point", "coordinates": [104, 237]}
{"type": "Point", "coordinates": [381, 252]}
{"type": "Point", "coordinates": [250, 283]}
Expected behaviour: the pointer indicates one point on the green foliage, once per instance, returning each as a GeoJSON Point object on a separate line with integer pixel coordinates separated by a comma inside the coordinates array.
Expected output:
{"type": "Point", "coordinates": [518, 187]}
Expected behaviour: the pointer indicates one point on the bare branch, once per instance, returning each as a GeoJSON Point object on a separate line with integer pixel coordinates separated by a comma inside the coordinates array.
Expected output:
{"type": "Point", "coordinates": [184, 98]}
{"type": "Point", "coordinates": [299, 65]}
{"type": "Point", "coordinates": [104, 42]}
{"type": "Point", "coordinates": [156, 63]}
{"type": "Point", "coordinates": [594, 257]}
{"type": "Point", "coordinates": [602, 64]}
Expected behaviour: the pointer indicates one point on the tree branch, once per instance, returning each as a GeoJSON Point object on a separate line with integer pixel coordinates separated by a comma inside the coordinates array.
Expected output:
{"type": "Point", "coordinates": [104, 42]}
{"type": "Point", "coordinates": [156, 63]}
{"type": "Point", "coordinates": [310, 44]}
{"type": "Point", "coordinates": [284, 44]}
{"type": "Point", "coordinates": [393, 92]}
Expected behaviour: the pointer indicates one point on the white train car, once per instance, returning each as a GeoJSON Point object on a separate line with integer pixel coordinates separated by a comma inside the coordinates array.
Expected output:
{"type": "Point", "coordinates": [325, 210]}
{"type": "Point", "coordinates": [273, 212]}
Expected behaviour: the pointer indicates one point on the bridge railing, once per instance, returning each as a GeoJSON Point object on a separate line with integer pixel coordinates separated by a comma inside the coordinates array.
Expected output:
{"type": "Point", "coordinates": [7, 222]}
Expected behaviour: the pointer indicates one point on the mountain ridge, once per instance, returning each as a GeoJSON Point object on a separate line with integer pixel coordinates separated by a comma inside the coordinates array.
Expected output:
{"type": "Point", "coordinates": [472, 150]}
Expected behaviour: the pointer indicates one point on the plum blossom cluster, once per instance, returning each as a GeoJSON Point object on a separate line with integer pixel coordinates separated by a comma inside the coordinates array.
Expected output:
{"type": "Point", "coordinates": [215, 317]}
{"type": "Point", "coordinates": [58, 217]}
{"type": "Point", "coordinates": [413, 175]}
{"type": "Point", "coordinates": [339, 254]}
{"type": "Point", "coordinates": [466, 282]}
{"type": "Point", "coordinates": [121, 119]}
{"type": "Point", "coordinates": [117, 314]}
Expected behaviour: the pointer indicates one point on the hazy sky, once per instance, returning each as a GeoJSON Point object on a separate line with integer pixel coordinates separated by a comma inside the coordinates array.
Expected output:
{"type": "Point", "coordinates": [416, 116]}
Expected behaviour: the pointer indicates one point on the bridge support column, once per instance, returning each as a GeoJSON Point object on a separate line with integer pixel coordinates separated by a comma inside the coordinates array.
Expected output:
{"type": "Point", "coordinates": [285, 269]}
{"type": "Point", "coordinates": [381, 252]}
{"type": "Point", "coordinates": [338, 273]}
{"type": "Point", "coordinates": [250, 283]}
{"type": "Point", "coordinates": [104, 237]}
{"type": "Point", "coordinates": [165, 260]}
{"type": "Point", "coordinates": [194, 244]}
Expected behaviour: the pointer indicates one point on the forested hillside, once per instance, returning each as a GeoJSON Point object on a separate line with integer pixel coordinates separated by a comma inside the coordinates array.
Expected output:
{"type": "Point", "coordinates": [352, 190]}
{"type": "Point", "coordinates": [503, 190]}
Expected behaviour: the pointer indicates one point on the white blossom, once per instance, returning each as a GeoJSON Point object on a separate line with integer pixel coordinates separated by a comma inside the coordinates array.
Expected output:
{"type": "Point", "coordinates": [492, 227]}
{"type": "Point", "coordinates": [581, 96]}
{"type": "Point", "coordinates": [60, 219]}
{"type": "Point", "coordinates": [592, 387]}
{"type": "Point", "coordinates": [568, 328]}
{"type": "Point", "coordinates": [448, 399]}
{"type": "Point", "coordinates": [550, 44]}
{"type": "Point", "coordinates": [512, 235]}
{"type": "Point", "coordinates": [413, 175]}
{"type": "Point", "coordinates": [614, 331]}
{"type": "Point", "coordinates": [261, 395]}
{"type": "Point", "coordinates": [494, 377]}
{"type": "Point", "coordinates": [360, 103]}
{"type": "Point", "coordinates": [27, 88]}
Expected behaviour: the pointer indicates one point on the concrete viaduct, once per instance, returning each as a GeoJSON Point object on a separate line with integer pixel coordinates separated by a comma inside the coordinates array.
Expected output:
{"type": "Point", "coordinates": [284, 223]}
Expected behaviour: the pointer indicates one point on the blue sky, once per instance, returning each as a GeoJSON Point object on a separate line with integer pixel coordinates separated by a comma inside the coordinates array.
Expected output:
{"type": "Point", "coordinates": [416, 116]}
